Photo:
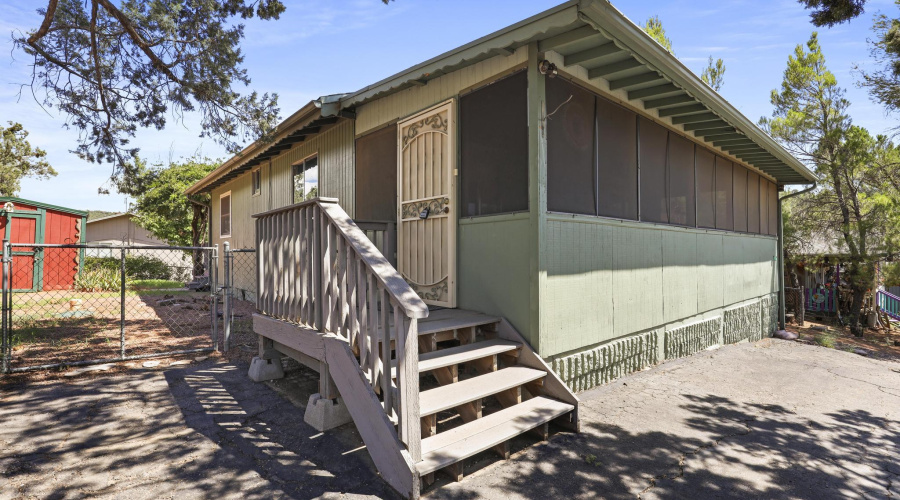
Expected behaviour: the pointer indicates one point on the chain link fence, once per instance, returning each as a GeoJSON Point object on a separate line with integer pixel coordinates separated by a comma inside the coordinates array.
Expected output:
{"type": "Point", "coordinates": [71, 305]}
{"type": "Point", "coordinates": [240, 281]}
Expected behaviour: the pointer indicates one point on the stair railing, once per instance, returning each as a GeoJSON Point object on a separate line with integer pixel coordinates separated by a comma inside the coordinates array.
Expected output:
{"type": "Point", "coordinates": [317, 268]}
{"type": "Point", "coordinates": [889, 303]}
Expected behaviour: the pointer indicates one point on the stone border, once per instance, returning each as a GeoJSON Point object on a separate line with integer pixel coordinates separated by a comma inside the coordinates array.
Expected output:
{"type": "Point", "coordinates": [689, 339]}
{"type": "Point", "coordinates": [586, 369]}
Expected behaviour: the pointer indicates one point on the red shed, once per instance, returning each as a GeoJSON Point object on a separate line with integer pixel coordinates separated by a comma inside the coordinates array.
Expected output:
{"type": "Point", "coordinates": [29, 222]}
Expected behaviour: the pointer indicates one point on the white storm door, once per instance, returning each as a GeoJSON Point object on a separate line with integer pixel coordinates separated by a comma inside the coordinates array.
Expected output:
{"type": "Point", "coordinates": [426, 226]}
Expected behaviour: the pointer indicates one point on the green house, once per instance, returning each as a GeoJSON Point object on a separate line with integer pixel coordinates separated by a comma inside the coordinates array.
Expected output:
{"type": "Point", "coordinates": [566, 177]}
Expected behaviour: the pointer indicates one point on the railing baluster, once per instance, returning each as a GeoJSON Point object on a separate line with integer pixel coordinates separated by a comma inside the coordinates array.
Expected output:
{"type": "Point", "coordinates": [341, 308]}
{"type": "Point", "coordinates": [304, 268]}
{"type": "Point", "coordinates": [373, 328]}
{"type": "Point", "coordinates": [350, 278]}
{"type": "Point", "coordinates": [363, 313]}
{"type": "Point", "coordinates": [386, 391]}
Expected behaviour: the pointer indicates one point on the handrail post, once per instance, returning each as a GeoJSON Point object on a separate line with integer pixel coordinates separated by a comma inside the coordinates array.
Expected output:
{"type": "Point", "coordinates": [226, 305]}
{"type": "Point", "coordinates": [317, 259]}
{"type": "Point", "coordinates": [408, 382]}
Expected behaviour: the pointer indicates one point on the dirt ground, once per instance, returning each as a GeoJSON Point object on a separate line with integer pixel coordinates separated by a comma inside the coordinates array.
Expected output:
{"type": "Point", "coordinates": [881, 343]}
{"type": "Point", "coordinates": [774, 419]}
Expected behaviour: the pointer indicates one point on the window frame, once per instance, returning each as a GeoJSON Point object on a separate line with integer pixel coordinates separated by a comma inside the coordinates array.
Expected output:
{"type": "Point", "coordinates": [256, 181]}
{"type": "Point", "coordinates": [230, 214]}
{"type": "Point", "coordinates": [293, 174]}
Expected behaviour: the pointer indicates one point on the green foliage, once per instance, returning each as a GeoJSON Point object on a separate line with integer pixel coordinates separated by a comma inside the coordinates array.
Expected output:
{"type": "Point", "coordinates": [154, 284]}
{"type": "Point", "coordinates": [891, 273]}
{"type": "Point", "coordinates": [831, 12]}
{"type": "Point", "coordinates": [884, 84]}
{"type": "Point", "coordinates": [114, 67]}
{"type": "Point", "coordinates": [655, 29]}
{"type": "Point", "coordinates": [99, 214]}
{"type": "Point", "coordinates": [854, 211]}
{"type": "Point", "coordinates": [714, 74]}
{"type": "Point", "coordinates": [825, 340]}
{"type": "Point", "coordinates": [18, 159]}
{"type": "Point", "coordinates": [98, 279]}
{"type": "Point", "coordinates": [137, 267]}
{"type": "Point", "coordinates": [160, 205]}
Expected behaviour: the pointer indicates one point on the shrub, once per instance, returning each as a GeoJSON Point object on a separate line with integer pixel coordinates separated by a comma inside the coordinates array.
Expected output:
{"type": "Point", "coordinates": [98, 279]}
{"type": "Point", "coordinates": [141, 267]}
{"type": "Point", "coordinates": [825, 341]}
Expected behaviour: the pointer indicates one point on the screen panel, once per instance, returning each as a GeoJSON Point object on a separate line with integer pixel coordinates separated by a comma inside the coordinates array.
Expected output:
{"type": "Point", "coordinates": [652, 153]}
{"type": "Point", "coordinates": [773, 209]}
{"type": "Point", "coordinates": [493, 126]}
{"type": "Point", "coordinates": [763, 206]}
{"type": "Point", "coordinates": [571, 179]}
{"type": "Point", "coordinates": [752, 202]}
{"type": "Point", "coordinates": [724, 194]}
{"type": "Point", "coordinates": [616, 160]}
{"type": "Point", "coordinates": [376, 175]}
{"type": "Point", "coordinates": [706, 188]}
{"type": "Point", "coordinates": [681, 181]}
{"type": "Point", "coordinates": [740, 198]}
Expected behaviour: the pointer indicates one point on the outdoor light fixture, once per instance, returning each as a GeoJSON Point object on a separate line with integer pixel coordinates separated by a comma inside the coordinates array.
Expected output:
{"type": "Point", "coordinates": [9, 207]}
{"type": "Point", "coordinates": [547, 68]}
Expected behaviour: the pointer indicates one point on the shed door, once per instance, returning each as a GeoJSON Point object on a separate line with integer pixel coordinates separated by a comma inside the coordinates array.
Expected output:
{"type": "Point", "coordinates": [426, 236]}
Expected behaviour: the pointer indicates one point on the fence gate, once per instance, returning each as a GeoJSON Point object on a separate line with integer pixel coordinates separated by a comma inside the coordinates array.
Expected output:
{"type": "Point", "coordinates": [71, 305]}
{"type": "Point", "coordinates": [239, 297]}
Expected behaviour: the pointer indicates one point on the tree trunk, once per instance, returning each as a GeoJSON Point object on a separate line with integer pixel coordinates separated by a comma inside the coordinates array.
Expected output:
{"type": "Point", "coordinates": [197, 229]}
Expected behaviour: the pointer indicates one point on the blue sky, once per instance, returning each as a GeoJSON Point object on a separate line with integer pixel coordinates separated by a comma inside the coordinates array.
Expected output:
{"type": "Point", "coordinates": [331, 46]}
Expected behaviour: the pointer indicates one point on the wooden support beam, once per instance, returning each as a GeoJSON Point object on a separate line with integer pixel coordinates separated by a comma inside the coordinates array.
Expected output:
{"type": "Point", "coordinates": [703, 117]}
{"type": "Point", "coordinates": [608, 69]}
{"type": "Point", "coordinates": [429, 426]}
{"type": "Point", "coordinates": [567, 38]}
{"type": "Point", "coordinates": [455, 471]}
{"type": "Point", "coordinates": [668, 101]}
{"type": "Point", "coordinates": [708, 124]}
{"type": "Point", "coordinates": [658, 90]}
{"type": "Point", "coordinates": [607, 49]}
{"type": "Point", "coordinates": [714, 130]}
{"type": "Point", "coordinates": [631, 81]}
{"type": "Point", "coordinates": [682, 110]}
{"type": "Point", "coordinates": [723, 135]}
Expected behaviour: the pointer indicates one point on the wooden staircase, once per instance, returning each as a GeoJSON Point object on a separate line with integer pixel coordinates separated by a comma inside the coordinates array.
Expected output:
{"type": "Point", "coordinates": [426, 389]}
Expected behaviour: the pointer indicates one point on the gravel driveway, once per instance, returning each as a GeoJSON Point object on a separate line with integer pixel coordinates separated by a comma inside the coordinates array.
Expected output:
{"type": "Point", "coordinates": [773, 419]}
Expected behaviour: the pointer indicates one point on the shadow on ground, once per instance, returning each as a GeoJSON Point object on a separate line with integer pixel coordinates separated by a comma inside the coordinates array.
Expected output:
{"type": "Point", "coordinates": [200, 432]}
{"type": "Point", "coordinates": [722, 449]}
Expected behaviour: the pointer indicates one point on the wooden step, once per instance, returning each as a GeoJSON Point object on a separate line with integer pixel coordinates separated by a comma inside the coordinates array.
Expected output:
{"type": "Point", "coordinates": [453, 395]}
{"type": "Point", "coordinates": [453, 319]}
{"type": "Point", "coordinates": [456, 444]}
{"type": "Point", "coordinates": [460, 354]}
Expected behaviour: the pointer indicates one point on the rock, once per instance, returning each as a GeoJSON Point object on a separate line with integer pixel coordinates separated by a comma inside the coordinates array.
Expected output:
{"type": "Point", "coordinates": [201, 359]}
{"type": "Point", "coordinates": [820, 328]}
{"type": "Point", "coordinates": [98, 368]}
{"type": "Point", "coordinates": [180, 362]}
{"type": "Point", "coordinates": [786, 335]}
{"type": "Point", "coordinates": [151, 364]}
{"type": "Point", "coordinates": [168, 302]}
{"type": "Point", "coordinates": [861, 352]}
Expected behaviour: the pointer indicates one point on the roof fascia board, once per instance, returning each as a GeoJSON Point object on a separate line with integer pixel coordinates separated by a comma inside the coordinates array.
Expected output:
{"type": "Point", "coordinates": [608, 20]}
{"type": "Point", "coordinates": [248, 153]}
{"type": "Point", "coordinates": [40, 204]}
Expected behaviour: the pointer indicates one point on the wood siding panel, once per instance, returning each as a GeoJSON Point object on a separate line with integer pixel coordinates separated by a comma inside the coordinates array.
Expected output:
{"type": "Point", "coordinates": [606, 279]}
{"type": "Point", "coordinates": [493, 268]}
{"type": "Point", "coordinates": [409, 101]}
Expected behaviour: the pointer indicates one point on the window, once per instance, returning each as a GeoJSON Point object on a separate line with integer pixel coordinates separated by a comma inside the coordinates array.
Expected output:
{"type": "Point", "coordinates": [740, 198]}
{"type": "Point", "coordinates": [724, 195]}
{"type": "Point", "coordinates": [706, 189]}
{"type": "Point", "coordinates": [376, 175]}
{"type": "Point", "coordinates": [616, 160]}
{"type": "Point", "coordinates": [493, 124]}
{"type": "Point", "coordinates": [571, 176]}
{"type": "Point", "coordinates": [752, 202]}
{"type": "Point", "coordinates": [681, 181]}
{"type": "Point", "coordinates": [653, 141]}
{"type": "Point", "coordinates": [257, 183]}
{"type": "Point", "coordinates": [225, 215]}
{"type": "Point", "coordinates": [306, 179]}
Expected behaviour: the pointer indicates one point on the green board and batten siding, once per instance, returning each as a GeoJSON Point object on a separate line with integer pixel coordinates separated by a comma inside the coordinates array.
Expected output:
{"type": "Point", "coordinates": [336, 179]}
{"type": "Point", "coordinates": [600, 288]}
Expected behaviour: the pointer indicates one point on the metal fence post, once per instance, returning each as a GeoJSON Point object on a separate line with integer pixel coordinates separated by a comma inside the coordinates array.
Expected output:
{"type": "Point", "coordinates": [226, 298]}
{"type": "Point", "coordinates": [214, 294]}
{"type": "Point", "coordinates": [4, 354]}
{"type": "Point", "coordinates": [122, 306]}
